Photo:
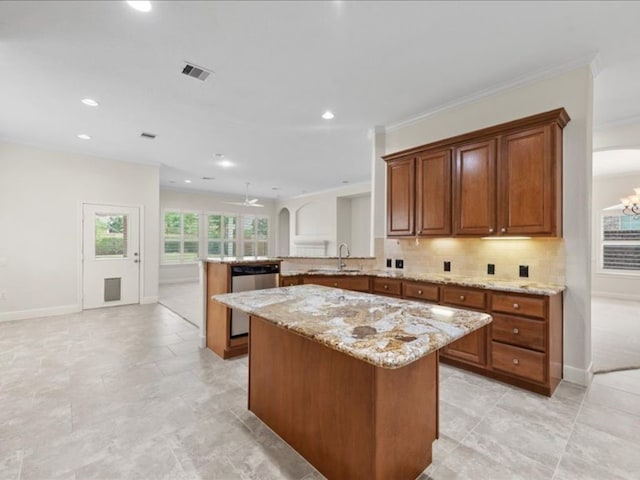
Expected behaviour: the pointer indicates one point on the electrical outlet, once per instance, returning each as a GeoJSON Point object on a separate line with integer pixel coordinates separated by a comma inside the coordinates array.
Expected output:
{"type": "Point", "coordinates": [491, 269]}
{"type": "Point", "coordinates": [388, 263]}
{"type": "Point", "coordinates": [399, 263]}
{"type": "Point", "coordinates": [447, 266]}
{"type": "Point", "coordinates": [524, 271]}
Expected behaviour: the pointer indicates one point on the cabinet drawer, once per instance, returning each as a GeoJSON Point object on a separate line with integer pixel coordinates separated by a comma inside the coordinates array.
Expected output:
{"type": "Point", "coordinates": [359, 283]}
{"type": "Point", "coordinates": [464, 297]}
{"type": "Point", "coordinates": [518, 361]}
{"type": "Point", "coordinates": [519, 305]}
{"type": "Point", "coordinates": [386, 286]}
{"type": "Point", "coordinates": [518, 331]}
{"type": "Point", "coordinates": [288, 281]}
{"type": "Point", "coordinates": [421, 291]}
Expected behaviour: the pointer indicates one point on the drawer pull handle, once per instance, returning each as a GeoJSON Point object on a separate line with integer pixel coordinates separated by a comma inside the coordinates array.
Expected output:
{"type": "Point", "coordinates": [462, 297]}
{"type": "Point", "coordinates": [386, 287]}
{"type": "Point", "coordinates": [516, 361]}
{"type": "Point", "coordinates": [419, 292]}
{"type": "Point", "coordinates": [516, 306]}
{"type": "Point", "coordinates": [516, 331]}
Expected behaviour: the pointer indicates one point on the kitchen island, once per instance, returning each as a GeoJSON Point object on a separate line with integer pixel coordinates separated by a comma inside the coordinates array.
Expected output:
{"type": "Point", "coordinates": [349, 380]}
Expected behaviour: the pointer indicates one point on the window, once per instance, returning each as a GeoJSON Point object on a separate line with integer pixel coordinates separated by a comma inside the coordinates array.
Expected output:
{"type": "Point", "coordinates": [221, 235]}
{"type": "Point", "coordinates": [181, 237]}
{"type": "Point", "coordinates": [111, 236]}
{"type": "Point", "coordinates": [620, 243]}
{"type": "Point", "coordinates": [189, 236]}
{"type": "Point", "coordinates": [255, 235]}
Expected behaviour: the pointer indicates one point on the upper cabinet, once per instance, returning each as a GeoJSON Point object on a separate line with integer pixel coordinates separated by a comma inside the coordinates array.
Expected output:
{"type": "Point", "coordinates": [502, 180]}
{"type": "Point", "coordinates": [401, 182]}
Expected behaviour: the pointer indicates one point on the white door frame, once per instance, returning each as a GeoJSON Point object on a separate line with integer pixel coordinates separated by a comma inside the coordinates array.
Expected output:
{"type": "Point", "coordinates": [80, 237]}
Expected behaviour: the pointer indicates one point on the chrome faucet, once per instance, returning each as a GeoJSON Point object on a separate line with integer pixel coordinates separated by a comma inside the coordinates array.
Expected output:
{"type": "Point", "coordinates": [341, 264]}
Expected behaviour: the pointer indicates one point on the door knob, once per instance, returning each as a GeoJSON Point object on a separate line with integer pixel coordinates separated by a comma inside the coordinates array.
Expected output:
{"type": "Point", "coordinates": [136, 261]}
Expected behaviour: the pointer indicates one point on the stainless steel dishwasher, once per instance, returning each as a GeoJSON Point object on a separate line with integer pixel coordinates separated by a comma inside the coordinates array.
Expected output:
{"type": "Point", "coordinates": [245, 278]}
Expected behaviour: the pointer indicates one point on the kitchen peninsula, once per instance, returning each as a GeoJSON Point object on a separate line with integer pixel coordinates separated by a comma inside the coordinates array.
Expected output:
{"type": "Point", "coordinates": [349, 379]}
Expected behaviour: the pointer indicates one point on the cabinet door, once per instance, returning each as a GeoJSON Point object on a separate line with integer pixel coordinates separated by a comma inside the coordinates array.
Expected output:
{"type": "Point", "coordinates": [400, 197]}
{"type": "Point", "coordinates": [527, 181]}
{"type": "Point", "coordinates": [433, 195]}
{"type": "Point", "coordinates": [471, 348]}
{"type": "Point", "coordinates": [474, 180]}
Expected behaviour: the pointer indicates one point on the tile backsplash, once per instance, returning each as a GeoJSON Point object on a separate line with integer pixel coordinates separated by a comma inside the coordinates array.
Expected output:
{"type": "Point", "coordinates": [470, 256]}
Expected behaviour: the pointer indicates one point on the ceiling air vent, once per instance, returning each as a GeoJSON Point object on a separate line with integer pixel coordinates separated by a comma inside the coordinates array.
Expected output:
{"type": "Point", "coordinates": [194, 71]}
{"type": "Point", "coordinates": [148, 135]}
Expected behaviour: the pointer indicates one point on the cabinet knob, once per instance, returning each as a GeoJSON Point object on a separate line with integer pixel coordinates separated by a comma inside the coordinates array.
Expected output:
{"type": "Point", "coordinates": [516, 331]}
{"type": "Point", "coordinates": [503, 230]}
{"type": "Point", "coordinates": [461, 297]}
{"type": "Point", "coordinates": [516, 306]}
{"type": "Point", "coordinates": [491, 230]}
{"type": "Point", "coordinates": [419, 232]}
{"type": "Point", "coordinates": [419, 292]}
{"type": "Point", "coordinates": [386, 287]}
{"type": "Point", "coordinates": [335, 284]}
{"type": "Point", "coordinates": [516, 361]}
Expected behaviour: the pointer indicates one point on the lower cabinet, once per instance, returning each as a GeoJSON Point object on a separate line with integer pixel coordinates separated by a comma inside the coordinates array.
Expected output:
{"type": "Point", "coordinates": [471, 348]}
{"type": "Point", "coordinates": [358, 283]}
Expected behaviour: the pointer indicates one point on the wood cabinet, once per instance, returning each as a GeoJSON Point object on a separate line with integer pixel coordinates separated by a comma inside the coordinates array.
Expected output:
{"type": "Point", "coordinates": [290, 280]}
{"type": "Point", "coordinates": [401, 197]}
{"type": "Point", "coordinates": [433, 193]}
{"type": "Point", "coordinates": [474, 189]}
{"type": "Point", "coordinates": [529, 182]}
{"type": "Point", "coordinates": [471, 348]}
{"type": "Point", "coordinates": [391, 287]}
{"type": "Point", "coordinates": [357, 283]}
{"type": "Point", "coordinates": [523, 344]}
{"type": "Point", "coordinates": [501, 180]}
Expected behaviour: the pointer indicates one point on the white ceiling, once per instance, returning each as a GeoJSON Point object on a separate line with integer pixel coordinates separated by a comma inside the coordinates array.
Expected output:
{"type": "Point", "coordinates": [616, 162]}
{"type": "Point", "coordinates": [278, 66]}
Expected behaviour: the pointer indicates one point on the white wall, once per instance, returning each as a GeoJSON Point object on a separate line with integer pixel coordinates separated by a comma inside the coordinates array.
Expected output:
{"type": "Point", "coordinates": [607, 191]}
{"type": "Point", "coordinates": [41, 193]}
{"type": "Point", "coordinates": [361, 226]}
{"type": "Point", "coordinates": [572, 90]}
{"type": "Point", "coordinates": [207, 202]}
{"type": "Point", "coordinates": [317, 216]}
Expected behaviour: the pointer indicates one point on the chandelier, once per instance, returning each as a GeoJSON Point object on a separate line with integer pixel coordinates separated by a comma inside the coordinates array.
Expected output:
{"type": "Point", "coordinates": [631, 204]}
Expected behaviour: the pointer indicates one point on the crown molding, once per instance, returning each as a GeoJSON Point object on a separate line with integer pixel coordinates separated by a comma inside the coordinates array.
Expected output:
{"type": "Point", "coordinates": [589, 60]}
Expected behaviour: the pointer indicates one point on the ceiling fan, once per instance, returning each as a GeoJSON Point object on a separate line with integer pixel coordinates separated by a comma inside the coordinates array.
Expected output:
{"type": "Point", "coordinates": [247, 203]}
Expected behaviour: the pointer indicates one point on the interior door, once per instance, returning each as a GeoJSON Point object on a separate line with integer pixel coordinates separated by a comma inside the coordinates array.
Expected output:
{"type": "Point", "coordinates": [111, 255]}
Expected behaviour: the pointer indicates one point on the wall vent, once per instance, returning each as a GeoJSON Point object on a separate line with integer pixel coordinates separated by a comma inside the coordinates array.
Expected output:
{"type": "Point", "coordinates": [148, 135]}
{"type": "Point", "coordinates": [195, 71]}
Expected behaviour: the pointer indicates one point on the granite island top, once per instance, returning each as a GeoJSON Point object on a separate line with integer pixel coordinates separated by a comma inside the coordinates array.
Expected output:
{"type": "Point", "coordinates": [383, 331]}
{"type": "Point", "coordinates": [241, 260]}
{"type": "Point", "coordinates": [517, 286]}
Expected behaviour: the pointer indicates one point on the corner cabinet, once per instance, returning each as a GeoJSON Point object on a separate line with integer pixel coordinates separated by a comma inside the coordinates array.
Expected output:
{"type": "Point", "coordinates": [502, 180]}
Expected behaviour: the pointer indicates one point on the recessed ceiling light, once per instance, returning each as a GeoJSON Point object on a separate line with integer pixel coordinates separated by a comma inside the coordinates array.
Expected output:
{"type": "Point", "coordinates": [172, 181]}
{"type": "Point", "coordinates": [225, 163]}
{"type": "Point", "coordinates": [141, 6]}
{"type": "Point", "coordinates": [90, 102]}
{"type": "Point", "coordinates": [275, 188]}
{"type": "Point", "coordinates": [345, 181]}
{"type": "Point", "coordinates": [208, 178]}
{"type": "Point", "coordinates": [187, 181]}
{"type": "Point", "coordinates": [84, 136]}
{"type": "Point", "coordinates": [328, 115]}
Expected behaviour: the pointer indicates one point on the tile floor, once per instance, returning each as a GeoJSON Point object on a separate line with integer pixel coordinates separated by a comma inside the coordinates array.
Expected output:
{"type": "Point", "coordinates": [125, 393]}
{"type": "Point", "coordinates": [615, 334]}
{"type": "Point", "coordinates": [184, 298]}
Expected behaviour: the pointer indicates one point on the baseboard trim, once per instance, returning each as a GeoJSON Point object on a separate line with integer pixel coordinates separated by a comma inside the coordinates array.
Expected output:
{"type": "Point", "coordinates": [578, 376]}
{"type": "Point", "coordinates": [39, 312]}
{"type": "Point", "coordinates": [169, 281]}
{"type": "Point", "coordinates": [147, 300]}
{"type": "Point", "coordinates": [617, 296]}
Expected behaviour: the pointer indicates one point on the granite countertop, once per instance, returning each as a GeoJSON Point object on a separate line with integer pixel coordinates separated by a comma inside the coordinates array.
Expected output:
{"type": "Point", "coordinates": [242, 261]}
{"type": "Point", "coordinates": [517, 286]}
{"type": "Point", "coordinates": [383, 331]}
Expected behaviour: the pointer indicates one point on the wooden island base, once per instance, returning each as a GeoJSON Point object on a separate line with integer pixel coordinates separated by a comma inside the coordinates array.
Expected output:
{"type": "Point", "coordinates": [348, 418]}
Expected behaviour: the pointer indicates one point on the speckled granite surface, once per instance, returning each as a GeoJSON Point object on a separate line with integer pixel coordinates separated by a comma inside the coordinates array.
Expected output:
{"type": "Point", "coordinates": [518, 286]}
{"type": "Point", "coordinates": [383, 331]}
{"type": "Point", "coordinates": [243, 261]}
